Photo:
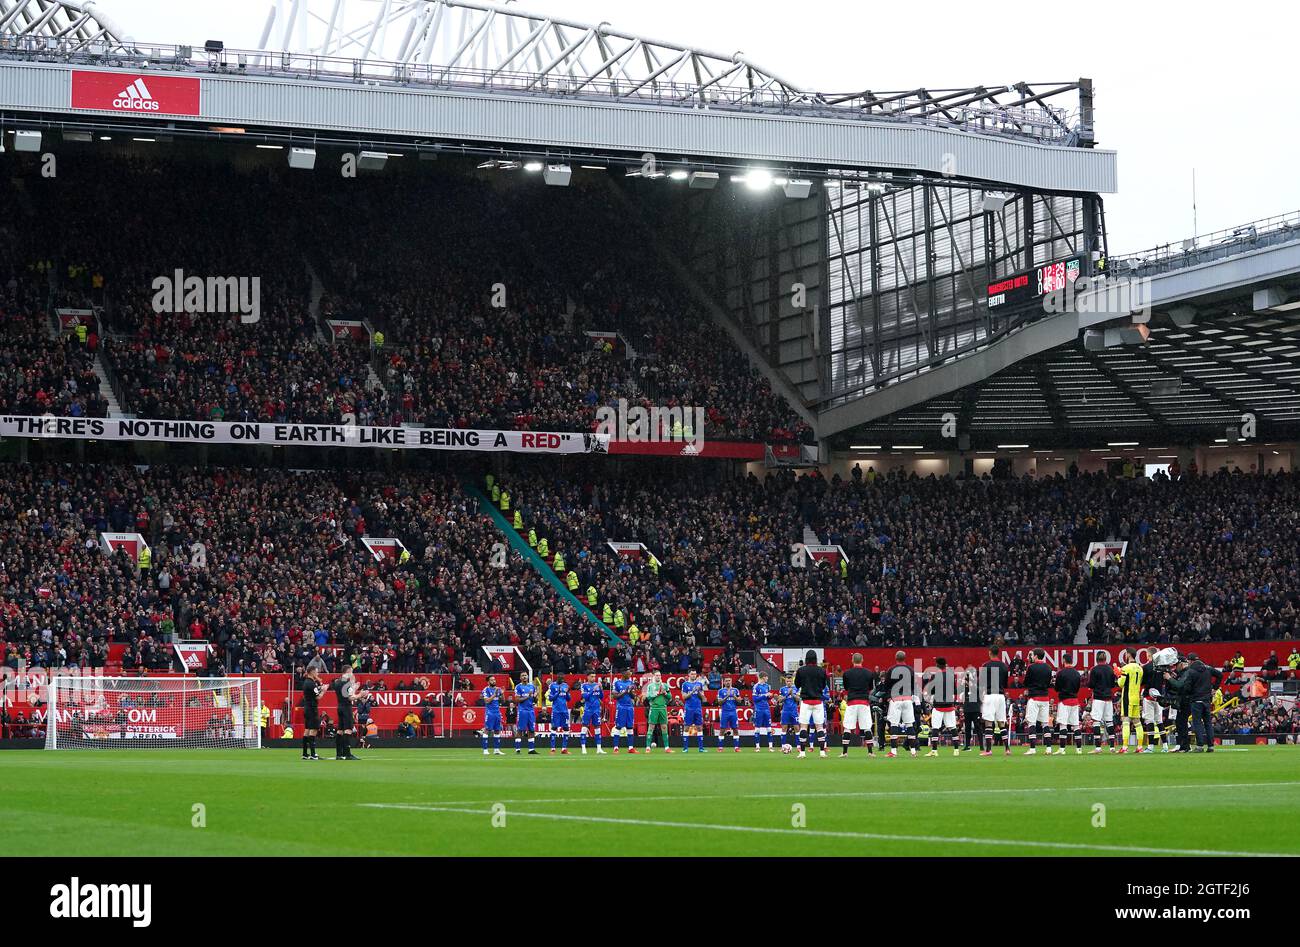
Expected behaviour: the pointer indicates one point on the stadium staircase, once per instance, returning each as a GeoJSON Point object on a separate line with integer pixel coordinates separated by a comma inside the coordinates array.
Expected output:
{"type": "Point", "coordinates": [317, 293]}
{"type": "Point", "coordinates": [1081, 633]}
{"type": "Point", "coordinates": [540, 565]}
{"type": "Point", "coordinates": [106, 390]}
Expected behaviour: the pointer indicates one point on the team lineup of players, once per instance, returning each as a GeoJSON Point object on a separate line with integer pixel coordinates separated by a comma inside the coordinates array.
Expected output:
{"type": "Point", "coordinates": [902, 699]}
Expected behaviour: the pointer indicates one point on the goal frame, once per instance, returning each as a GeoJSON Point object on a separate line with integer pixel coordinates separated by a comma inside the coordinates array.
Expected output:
{"type": "Point", "coordinates": [211, 683]}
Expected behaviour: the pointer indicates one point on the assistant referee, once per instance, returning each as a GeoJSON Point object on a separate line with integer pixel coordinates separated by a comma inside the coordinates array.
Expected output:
{"type": "Point", "coordinates": [346, 690]}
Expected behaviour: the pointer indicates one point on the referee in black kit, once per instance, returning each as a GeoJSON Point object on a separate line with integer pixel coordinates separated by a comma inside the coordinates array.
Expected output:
{"type": "Point", "coordinates": [347, 690]}
{"type": "Point", "coordinates": [311, 688]}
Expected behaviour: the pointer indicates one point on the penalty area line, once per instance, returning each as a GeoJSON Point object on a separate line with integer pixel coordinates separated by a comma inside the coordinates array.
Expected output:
{"type": "Point", "coordinates": [818, 833]}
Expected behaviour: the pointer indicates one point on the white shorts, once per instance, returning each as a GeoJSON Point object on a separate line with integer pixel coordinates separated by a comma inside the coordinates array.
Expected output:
{"type": "Point", "coordinates": [901, 713]}
{"type": "Point", "coordinates": [993, 708]}
{"type": "Point", "coordinates": [857, 717]}
{"type": "Point", "coordinates": [1103, 711]}
{"type": "Point", "coordinates": [1038, 711]}
{"type": "Point", "coordinates": [939, 719]}
{"type": "Point", "coordinates": [812, 713]}
{"type": "Point", "coordinates": [1152, 712]}
{"type": "Point", "coordinates": [1067, 715]}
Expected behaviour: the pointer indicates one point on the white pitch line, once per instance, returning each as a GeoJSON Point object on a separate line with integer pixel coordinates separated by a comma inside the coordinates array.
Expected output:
{"type": "Point", "coordinates": [864, 836]}
{"type": "Point", "coordinates": [795, 794]}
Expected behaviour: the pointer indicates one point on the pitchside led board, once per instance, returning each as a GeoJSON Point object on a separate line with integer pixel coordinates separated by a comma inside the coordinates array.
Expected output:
{"type": "Point", "coordinates": [1027, 289]}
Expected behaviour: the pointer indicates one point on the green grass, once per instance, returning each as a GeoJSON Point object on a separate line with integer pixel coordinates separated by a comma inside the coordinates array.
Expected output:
{"type": "Point", "coordinates": [269, 802]}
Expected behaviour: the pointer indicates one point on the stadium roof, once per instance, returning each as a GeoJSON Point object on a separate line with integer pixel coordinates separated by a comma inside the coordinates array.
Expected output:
{"type": "Point", "coordinates": [497, 43]}
{"type": "Point", "coordinates": [72, 25]}
{"type": "Point", "coordinates": [1187, 383]}
{"type": "Point", "coordinates": [461, 74]}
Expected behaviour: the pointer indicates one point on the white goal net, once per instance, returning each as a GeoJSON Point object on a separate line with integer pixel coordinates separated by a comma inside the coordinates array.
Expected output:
{"type": "Point", "coordinates": [95, 713]}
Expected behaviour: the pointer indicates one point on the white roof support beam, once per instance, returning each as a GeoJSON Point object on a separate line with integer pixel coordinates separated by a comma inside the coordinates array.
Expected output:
{"type": "Point", "coordinates": [503, 41]}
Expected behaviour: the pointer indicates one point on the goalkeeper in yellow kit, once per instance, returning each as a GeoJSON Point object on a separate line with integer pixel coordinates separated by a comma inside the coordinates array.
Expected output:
{"type": "Point", "coordinates": [1130, 699]}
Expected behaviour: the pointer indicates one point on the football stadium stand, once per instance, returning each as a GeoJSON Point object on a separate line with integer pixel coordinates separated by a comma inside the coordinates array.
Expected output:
{"type": "Point", "coordinates": [806, 270]}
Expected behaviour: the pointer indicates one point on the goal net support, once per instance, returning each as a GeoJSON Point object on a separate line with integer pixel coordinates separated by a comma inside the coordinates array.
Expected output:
{"type": "Point", "coordinates": [96, 713]}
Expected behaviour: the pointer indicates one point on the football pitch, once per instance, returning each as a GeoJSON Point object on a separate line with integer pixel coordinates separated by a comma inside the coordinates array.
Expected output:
{"type": "Point", "coordinates": [458, 802]}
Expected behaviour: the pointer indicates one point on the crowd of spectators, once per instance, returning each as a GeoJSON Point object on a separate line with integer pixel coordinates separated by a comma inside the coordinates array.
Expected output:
{"type": "Point", "coordinates": [1265, 715]}
{"type": "Point", "coordinates": [1210, 558]}
{"type": "Point", "coordinates": [266, 565]}
{"type": "Point", "coordinates": [485, 300]}
{"type": "Point", "coordinates": [39, 374]}
{"type": "Point", "coordinates": [929, 560]}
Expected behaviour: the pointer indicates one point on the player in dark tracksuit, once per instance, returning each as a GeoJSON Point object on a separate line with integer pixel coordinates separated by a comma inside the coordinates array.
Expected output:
{"type": "Point", "coordinates": [941, 692]}
{"type": "Point", "coordinates": [859, 682]}
{"type": "Point", "coordinates": [994, 680]}
{"type": "Point", "coordinates": [812, 681]}
{"type": "Point", "coordinates": [1038, 699]}
{"type": "Point", "coordinates": [1101, 681]}
{"type": "Point", "coordinates": [1068, 682]}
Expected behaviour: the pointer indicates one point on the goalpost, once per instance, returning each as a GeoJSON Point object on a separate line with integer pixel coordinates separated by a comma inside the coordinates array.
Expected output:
{"type": "Point", "coordinates": [97, 713]}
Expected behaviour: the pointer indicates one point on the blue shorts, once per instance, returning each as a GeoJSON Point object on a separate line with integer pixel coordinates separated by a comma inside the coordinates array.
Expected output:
{"type": "Point", "coordinates": [790, 718]}
{"type": "Point", "coordinates": [624, 718]}
{"type": "Point", "coordinates": [591, 719]}
{"type": "Point", "coordinates": [493, 722]}
{"type": "Point", "coordinates": [527, 722]}
{"type": "Point", "coordinates": [693, 717]}
{"type": "Point", "coordinates": [762, 716]}
{"type": "Point", "coordinates": [559, 719]}
{"type": "Point", "coordinates": [729, 720]}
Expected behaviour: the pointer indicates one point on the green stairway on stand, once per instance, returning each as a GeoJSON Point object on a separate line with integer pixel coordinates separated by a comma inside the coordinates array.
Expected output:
{"type": "Point", "coordinates": [540, 565]}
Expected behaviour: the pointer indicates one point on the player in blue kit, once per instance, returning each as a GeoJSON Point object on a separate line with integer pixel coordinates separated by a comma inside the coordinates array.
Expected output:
{"type": "Point", "coordinates": [492, 723]}
{"type": "Point", "coordinates": [526, 716]}
{"type": "Point", "coordinates": [761, 700]}
{"type": "Point", "coordinates": [593, 692]}
{"type": "Point", "coordinates": [625, 711]}
{"type": "Point", "coordinates": [789, 697]}
{"type": "Point", "coordinates": [558, 694]}
{"type": "Point", "coordinates": [728, 718]}
{"type": "Point", "coordinates": [693, 710]}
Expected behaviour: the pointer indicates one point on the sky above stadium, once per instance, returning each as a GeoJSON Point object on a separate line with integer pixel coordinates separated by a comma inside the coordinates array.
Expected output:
{"type": "Point", "coordinates": [1175, 91]}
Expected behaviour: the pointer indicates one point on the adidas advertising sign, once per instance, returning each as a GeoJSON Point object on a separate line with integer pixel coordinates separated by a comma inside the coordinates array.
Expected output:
{"type": "Point", "coordinates": [135, 93]}
{"type": "Point", "coordinates": [136, 96]}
